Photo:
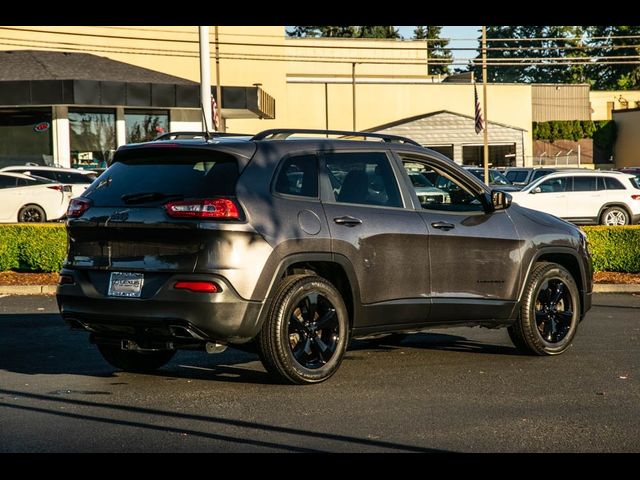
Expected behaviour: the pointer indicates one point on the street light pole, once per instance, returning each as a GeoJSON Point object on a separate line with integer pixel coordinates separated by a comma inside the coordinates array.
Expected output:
{"type": "Point", "coordinates": [484, 101]}
{"type": "Point", "coordinates": [205, 77]}
{"type": "Point", "coordinates": [222, 127]}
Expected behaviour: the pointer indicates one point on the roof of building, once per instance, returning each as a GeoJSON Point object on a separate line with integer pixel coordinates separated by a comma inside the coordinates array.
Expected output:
{"type": "Point", "coordinates": [19, 65]}
{"type": "Point", "coordinates": [432, 114]}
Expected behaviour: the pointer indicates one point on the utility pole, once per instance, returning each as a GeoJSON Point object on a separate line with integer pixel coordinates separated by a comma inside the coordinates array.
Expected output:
{"type": "Point", "coordinates": [205, 77]}
{"type": "Point", "coordinates": [484, 101]}
{"type": "Point", "coordinates": [353, 89]}
{"type": "Point", "coordinates": [222, 127]}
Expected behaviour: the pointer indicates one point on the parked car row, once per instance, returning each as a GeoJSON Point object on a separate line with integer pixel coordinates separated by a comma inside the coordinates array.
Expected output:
{"type": "Point", "coordinates": [38, 194]}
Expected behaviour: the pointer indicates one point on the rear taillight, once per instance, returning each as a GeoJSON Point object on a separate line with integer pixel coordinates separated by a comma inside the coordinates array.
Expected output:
{"type": "Point", "coordinates": [635, 197]}
{"type": "Point", "coordinates": [203, 208]}
{"type": "Point", "coordinates": [200, 287]}
{"type": "Point", "coordinates": [77, 206]}
{"type": "Point", "coordinates": [56, 187]}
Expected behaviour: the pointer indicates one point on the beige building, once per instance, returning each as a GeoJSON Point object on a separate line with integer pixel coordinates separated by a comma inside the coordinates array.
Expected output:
{"type": "Point", "coordinates": [275, 81]}
{"type": "Point", "coordinates": [627, 151]}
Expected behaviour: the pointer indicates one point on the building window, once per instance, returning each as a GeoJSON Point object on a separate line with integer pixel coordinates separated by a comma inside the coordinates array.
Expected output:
{"type": "Point", "coordinates": [145, 125]}
{"type": "Point", "coordinates": [92, 137]}
{"type": "Point", "coordinates": [446, 150]}
{"type": "Point", "coordinates": [25, 136]}
{"type": "Point", "coordinates": [499, 155]}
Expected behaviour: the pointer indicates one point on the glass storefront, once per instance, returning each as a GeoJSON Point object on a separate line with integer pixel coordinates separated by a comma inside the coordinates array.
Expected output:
{"type": "Point", "coordinates": [26, 136]}
{"type": "Point", "coordinates": [145, 125]}
{"type": "Point", "coordinates": [92, 137]}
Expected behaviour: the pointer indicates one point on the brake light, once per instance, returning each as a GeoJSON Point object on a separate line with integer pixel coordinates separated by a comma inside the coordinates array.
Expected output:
{"type": "Point", "coordinates": [55, 187]}
{"type": "Point", "coordinates": [203, 208]}
{"type": "Point", "coordinates": [77, 206]}
{"type": "Point", "coordinates": [199, 287]}
{"type": "Point", "coordinates": [635, 197]}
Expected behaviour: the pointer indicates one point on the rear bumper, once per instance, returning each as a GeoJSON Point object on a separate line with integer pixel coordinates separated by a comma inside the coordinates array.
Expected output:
{"type": "Point", "coordinates": [162, 312]}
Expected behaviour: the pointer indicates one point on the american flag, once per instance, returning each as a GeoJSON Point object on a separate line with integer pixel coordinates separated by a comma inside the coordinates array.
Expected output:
{"type": "Point", "coordinates": [479, 121]}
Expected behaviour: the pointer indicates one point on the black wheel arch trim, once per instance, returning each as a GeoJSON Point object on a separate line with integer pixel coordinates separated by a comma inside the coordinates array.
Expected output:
{"type": "Point", "coordinates": [327, 257]}
{"type": "Point", "coordinates": [581, 282]}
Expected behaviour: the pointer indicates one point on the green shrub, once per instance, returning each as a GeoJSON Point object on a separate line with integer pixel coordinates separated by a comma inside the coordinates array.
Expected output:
{"type": "Point", "coordinates": [32, 247]}
{"type": "Point", "coordinates": [615, 249]}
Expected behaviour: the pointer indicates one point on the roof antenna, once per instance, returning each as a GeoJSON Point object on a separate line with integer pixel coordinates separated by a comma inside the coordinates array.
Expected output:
{"type": "Point", "coordinates": [207, 136]}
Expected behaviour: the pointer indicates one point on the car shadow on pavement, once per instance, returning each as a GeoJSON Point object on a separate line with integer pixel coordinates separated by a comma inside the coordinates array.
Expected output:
{"type": "Point", "coordinates": [246, 432]}
{"type": "Point", "coordinates": [434, 341]}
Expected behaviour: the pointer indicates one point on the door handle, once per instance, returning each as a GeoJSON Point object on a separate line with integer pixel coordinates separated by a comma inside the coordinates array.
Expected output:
{"type": "Point", "coordinates": [347, 221]}
{"type": "Point", "coordinates": [443, 225]}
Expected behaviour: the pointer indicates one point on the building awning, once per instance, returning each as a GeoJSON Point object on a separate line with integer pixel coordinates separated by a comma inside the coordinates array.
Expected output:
{"type": "Point", "coordinates": [37, 78]}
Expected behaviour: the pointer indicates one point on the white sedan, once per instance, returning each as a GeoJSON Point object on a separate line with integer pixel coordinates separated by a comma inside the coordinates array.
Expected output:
{"type": "Point", "coordinates": [31, 199]}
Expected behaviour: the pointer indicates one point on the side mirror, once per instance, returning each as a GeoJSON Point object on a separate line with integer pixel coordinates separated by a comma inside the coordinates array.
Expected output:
{"type": "Point", "coordinates": [500, 200]}
{"type": "Point", "coordinates": [536, 190]}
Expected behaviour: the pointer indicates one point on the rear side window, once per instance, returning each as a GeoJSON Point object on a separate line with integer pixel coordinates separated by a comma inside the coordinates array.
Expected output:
{"type": "Point", "coordinates": [298, 176]}
{"type": "Point", "coordinates": [363, 178]}
{"type": "Point", "coordinates": [150, 176]}
{"type": "Point", "coordinates": [612, 183]}
{"type": "Point", "coordinates": [517, 176]}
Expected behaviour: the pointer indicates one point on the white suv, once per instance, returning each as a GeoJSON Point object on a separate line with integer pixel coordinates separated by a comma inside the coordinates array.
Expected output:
{"type": "Point", "coordinates": [585, 197]}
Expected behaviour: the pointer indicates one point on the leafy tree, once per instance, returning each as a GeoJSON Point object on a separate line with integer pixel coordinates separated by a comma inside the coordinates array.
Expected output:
{"type": "Point", "coordinates": [368, 31]}
{"type": "Point", "coordinates": [436, 48]}
{"type": "Point", "coordinates": [622, 76]}
{"type": "Point", "coordinates": [516, 44]}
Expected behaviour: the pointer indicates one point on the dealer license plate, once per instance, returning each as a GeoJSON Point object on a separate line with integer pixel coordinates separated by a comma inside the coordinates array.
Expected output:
{"type": "Point", "coordinates": [125, 284]}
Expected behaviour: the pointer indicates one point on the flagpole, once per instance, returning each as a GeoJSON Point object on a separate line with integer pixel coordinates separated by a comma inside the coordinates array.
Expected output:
{"type": "Point", "coordinates": [484, 101]}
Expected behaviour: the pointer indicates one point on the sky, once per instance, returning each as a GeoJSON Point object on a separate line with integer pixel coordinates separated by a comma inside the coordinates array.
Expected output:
{"type": "Point", "coordinates": [470, 33]}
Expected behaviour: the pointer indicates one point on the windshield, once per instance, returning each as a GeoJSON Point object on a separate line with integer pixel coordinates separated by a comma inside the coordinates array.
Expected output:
{"type": "Point", "coordinates": [496, 177]}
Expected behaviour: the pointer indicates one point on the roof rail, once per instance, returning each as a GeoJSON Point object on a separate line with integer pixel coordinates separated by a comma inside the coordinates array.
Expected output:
{"type": "Point", "coordinates": [284, 133]}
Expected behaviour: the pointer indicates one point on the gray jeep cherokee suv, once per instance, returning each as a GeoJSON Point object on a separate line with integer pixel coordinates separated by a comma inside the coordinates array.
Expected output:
{"type": "Point", "coordinates": [293, 248]}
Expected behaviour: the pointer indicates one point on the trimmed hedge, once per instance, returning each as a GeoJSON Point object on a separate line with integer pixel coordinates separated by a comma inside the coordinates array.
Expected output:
{"type": "Point", "coordinates": [34, 247]}
{"type": "Point", "coordinates": [43, 247]}
{"type": "Point", "coordinates": [615, 249]}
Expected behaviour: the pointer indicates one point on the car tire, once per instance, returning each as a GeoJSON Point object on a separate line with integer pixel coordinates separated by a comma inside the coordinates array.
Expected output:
{"type": "Point", "coordinates": [305, 334]}
{"type": "Point", "coordinates": [614, 216]}
{"type": "Point", "coordinates": [132, 361]}
{"type": "Point", "coordinates": [549, 312]}
{"type": "Point", "coordinates": [32, 214]}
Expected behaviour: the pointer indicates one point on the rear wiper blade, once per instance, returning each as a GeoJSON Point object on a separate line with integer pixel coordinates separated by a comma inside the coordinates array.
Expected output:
{"type": "Point", "coordinates": [142, 197]}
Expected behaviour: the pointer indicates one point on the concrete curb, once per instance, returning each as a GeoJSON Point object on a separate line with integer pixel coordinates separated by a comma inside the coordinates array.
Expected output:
{"type": "Point", "coordinates": [51, 289]}
{"type": "Point", "coordinates": [616, 288]}
{"type": "Point", "coordinates": [27, 289]}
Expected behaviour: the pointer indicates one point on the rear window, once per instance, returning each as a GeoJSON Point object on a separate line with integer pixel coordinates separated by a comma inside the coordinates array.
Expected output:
{"type": "Point", "coordinates": [180, 173]}
{"type": "Point", "coordinates": [517, 176]}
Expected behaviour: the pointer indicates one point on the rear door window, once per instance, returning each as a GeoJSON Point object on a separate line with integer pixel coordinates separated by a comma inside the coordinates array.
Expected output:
{"type": "Point", "coordinates": [584, 184]}
{"type": "Point", "coordinates": [364, 178]}
{"type": "Point", "coordinates": [150, 176]}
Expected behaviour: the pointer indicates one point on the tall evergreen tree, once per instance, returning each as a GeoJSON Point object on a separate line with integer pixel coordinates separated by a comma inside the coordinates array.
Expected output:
{"type": "Point", "coordinates": [548, 45]}
{"type": "Point", "coordinates": [436, 48]}
{"type": "Point", "coordinates": [614, 76]}
{"type": "Point", "coordinates": [368, 31]}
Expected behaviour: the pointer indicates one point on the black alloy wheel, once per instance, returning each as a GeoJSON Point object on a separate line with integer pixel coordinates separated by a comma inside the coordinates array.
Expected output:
{"type": "Point", "coordinates": [305, 334]}
{"type": "Point", "coordinates": [31, 213]}
{"type": "Point", "coordinates": [549, 311]}
{"type": "Point", "coordinates": [313, 330]}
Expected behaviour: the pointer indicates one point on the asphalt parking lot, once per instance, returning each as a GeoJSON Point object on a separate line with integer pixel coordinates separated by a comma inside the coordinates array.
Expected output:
{"type": "Point", "coordinates": [454, 390]}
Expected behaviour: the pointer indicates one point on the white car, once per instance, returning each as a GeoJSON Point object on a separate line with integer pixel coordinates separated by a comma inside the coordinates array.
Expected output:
{"type": "Point", "coordinates": [584, 197]}
{"type": "Point", "coordinates": [78, 179]}
{"type": "Point", "coordinates": [27, 199]}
